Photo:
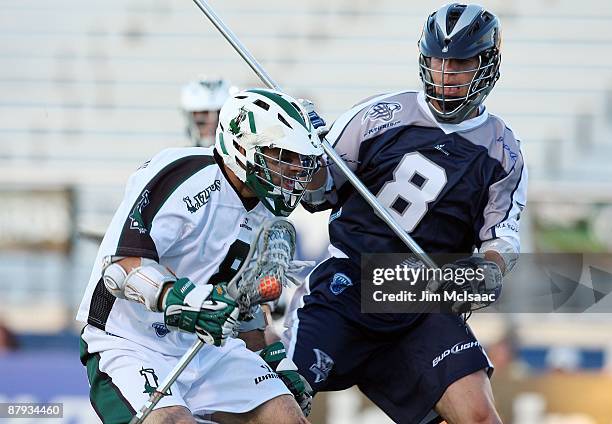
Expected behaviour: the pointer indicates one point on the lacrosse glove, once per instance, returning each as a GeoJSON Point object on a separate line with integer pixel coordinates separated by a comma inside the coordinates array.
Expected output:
{"type": "Point", "coordinates": [481, 290]}
{"type": "Point", "coordinates": [276, 357]}
{"type": "Point", "coordinates": [206, 310]}
{"type": "Point", "coordinates": [317, 122]}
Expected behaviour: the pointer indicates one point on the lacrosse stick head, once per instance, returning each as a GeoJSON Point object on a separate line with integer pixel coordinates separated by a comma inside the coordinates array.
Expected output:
{"type": "Point", "coordinates": [267, 266]}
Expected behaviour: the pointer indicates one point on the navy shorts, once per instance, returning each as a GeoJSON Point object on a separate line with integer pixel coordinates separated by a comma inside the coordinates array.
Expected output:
{"type": "Point", "coordinates": [402, 362]}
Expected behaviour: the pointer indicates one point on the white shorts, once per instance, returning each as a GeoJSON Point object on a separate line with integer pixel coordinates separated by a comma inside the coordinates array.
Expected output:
{"type": "Point", "coordinates": [122, 373]}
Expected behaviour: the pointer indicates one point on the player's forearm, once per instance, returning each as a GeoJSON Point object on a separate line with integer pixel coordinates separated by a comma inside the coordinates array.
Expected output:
{"type": "Point", "coordinates": [318, 179]}
{"type": "Point", "coordinates": [320, 193]}
{"type": "Point", "coordinates": [501, 251]}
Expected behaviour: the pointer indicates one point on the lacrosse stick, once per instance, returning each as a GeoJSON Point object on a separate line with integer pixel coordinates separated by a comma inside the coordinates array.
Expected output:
{"type": "Point", "coordinates": [268, 267]}
{"type": "Point", "coordinates": [331, 153]}
{"type": "Point", "coordinates": [273, 268]}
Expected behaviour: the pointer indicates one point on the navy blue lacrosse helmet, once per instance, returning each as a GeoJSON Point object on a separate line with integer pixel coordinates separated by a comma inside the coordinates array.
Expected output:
{"type": "Point", "coordinates": [459, 31]}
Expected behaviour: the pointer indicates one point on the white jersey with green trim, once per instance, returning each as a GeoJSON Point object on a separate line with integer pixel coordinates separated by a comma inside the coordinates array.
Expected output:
{"type": "Point", "coordinates": [180, 210]}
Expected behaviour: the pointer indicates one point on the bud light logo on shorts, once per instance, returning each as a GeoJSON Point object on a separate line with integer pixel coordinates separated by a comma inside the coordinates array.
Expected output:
{"type": "Point", "coordinates": [456, 349]}
{"type": "Point", "coordinates": [339, 283]}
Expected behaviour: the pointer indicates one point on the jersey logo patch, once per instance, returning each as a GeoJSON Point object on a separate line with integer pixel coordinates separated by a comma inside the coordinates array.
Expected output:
{"type": "Point", "coordinates": [335, 215]}
{"type": "Point", "coordinates": [160, 329]}
{"type": "Point", "coordinates": [322, 367]}
{"type": "Point", "coordinates": [151, 381]}
{"type": "Point", "coordinates": [136, 220]}
{"type": "Point", "coordinates": [513, 156]}
{"type": "Point", "coordinates": [270, 374]}
{"type": "Point", "coordinates": [196, 202]}
{"type": "Point", "coordinates": [339, 283]}
{"type": "Point", "coordinates": [382, 111]}
{"type": "Point", "coordinates": [245, 224]}
{"type": "Point", "coordinates": [441, 148]}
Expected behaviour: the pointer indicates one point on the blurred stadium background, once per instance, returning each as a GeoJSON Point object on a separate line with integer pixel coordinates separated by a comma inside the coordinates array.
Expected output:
{"type": "Point", "coordinates": [89, 90]}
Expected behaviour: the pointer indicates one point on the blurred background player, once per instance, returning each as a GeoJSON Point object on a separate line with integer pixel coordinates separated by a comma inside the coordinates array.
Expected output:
{"type": "Point", "coordinates": [201, 101]}
{"type": "Point", "coordinates": [8, 340]}
{"type": "Point", "coordinates": [451, 175]}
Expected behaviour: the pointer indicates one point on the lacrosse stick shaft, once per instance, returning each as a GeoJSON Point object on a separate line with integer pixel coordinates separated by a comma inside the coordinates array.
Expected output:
{"type": "Point", "coordinates": [236, 44]}
{"type": "Point", "coordinates": [331, 153]}
{"type": "Point", "coordinates": [166, 383]}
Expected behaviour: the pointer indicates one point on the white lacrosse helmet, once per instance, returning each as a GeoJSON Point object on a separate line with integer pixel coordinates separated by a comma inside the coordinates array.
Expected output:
{"type": "Point", "coordinates": [256, 119]}
{"type": "Point", "coordinates": [204, 95]}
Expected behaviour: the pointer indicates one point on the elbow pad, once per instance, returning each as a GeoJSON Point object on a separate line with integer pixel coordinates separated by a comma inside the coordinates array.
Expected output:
{"type": "Point", "coordinates": [505, 249]}
{"type": "Point", "coordinates": [143, 284]}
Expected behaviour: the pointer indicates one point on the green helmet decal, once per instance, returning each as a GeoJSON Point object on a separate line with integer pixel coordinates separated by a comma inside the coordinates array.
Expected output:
{"type": "Point", "coordinates": [222, 144]}
{"type": "Point", "coordinates": [234, 125]}
{"type": "Point", "coordinates": [285, 105]}
{"type": "Point", "coordinates": [252, 126]}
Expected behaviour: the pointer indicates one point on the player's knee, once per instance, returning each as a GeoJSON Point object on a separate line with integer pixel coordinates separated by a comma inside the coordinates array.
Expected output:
{"type": "Point", "coordinates": [279, 410]}
{"type": "Point", "coordinates": [469, 400]}
{"type": "Point", "coordinates": [482, 412]}
{"type": "Point", "coordinates": [171, 414]}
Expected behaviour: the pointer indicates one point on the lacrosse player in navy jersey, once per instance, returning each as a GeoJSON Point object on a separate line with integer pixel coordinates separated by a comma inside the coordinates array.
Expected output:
{"type": "Point", "coordinates": [159, 282]}
{"type": "Point", "coordinates": [453, 176]}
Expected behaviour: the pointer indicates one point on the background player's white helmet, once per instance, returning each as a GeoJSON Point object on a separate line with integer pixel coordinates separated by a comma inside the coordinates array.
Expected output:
{"type": "Point", "coordinates": [259, 130]}
{"type": "Point", "coordinates": [201, 101]}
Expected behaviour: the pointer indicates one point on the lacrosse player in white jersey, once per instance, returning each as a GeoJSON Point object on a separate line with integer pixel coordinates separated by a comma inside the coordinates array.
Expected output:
{"type": "Point", "coordinates": [201, 102]}
{"type": "Point", "coordinates": [160, 278]}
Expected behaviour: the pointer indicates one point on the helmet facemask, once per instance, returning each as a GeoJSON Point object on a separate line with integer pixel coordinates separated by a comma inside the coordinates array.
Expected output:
{"type": "Point", "coordinates": [279, 177]}
{"type": "Point", "coordinates": [454, 35]}
{"type": "Point", "coordinates": [454, 109]}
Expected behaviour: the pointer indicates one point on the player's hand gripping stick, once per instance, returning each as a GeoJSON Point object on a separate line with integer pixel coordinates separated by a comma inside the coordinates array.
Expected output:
{"type": "Point", "coordinates": [268, 267]}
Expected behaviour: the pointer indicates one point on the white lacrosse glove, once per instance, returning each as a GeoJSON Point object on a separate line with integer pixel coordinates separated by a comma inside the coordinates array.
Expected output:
{"type": "Point", "coordinates": [317, 122]}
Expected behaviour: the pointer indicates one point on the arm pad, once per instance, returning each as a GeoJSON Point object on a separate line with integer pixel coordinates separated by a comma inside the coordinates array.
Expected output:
{"type": "Point", "coordinates": [505, 249]}
{"type": "Point", "coordinates": [143, 284]}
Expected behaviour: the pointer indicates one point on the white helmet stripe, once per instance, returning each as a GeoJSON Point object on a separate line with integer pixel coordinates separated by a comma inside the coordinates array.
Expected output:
{"type": "Point", "coordinates": [468, 15]}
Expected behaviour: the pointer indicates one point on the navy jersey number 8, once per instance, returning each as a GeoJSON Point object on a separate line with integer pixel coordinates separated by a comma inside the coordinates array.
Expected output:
{"type": "Point", "coordinates": [417, 181]}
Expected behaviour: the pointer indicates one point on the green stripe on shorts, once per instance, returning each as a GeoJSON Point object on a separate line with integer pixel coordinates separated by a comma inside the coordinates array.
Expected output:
{"type": "Point", "coordinates": [106, 398]}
